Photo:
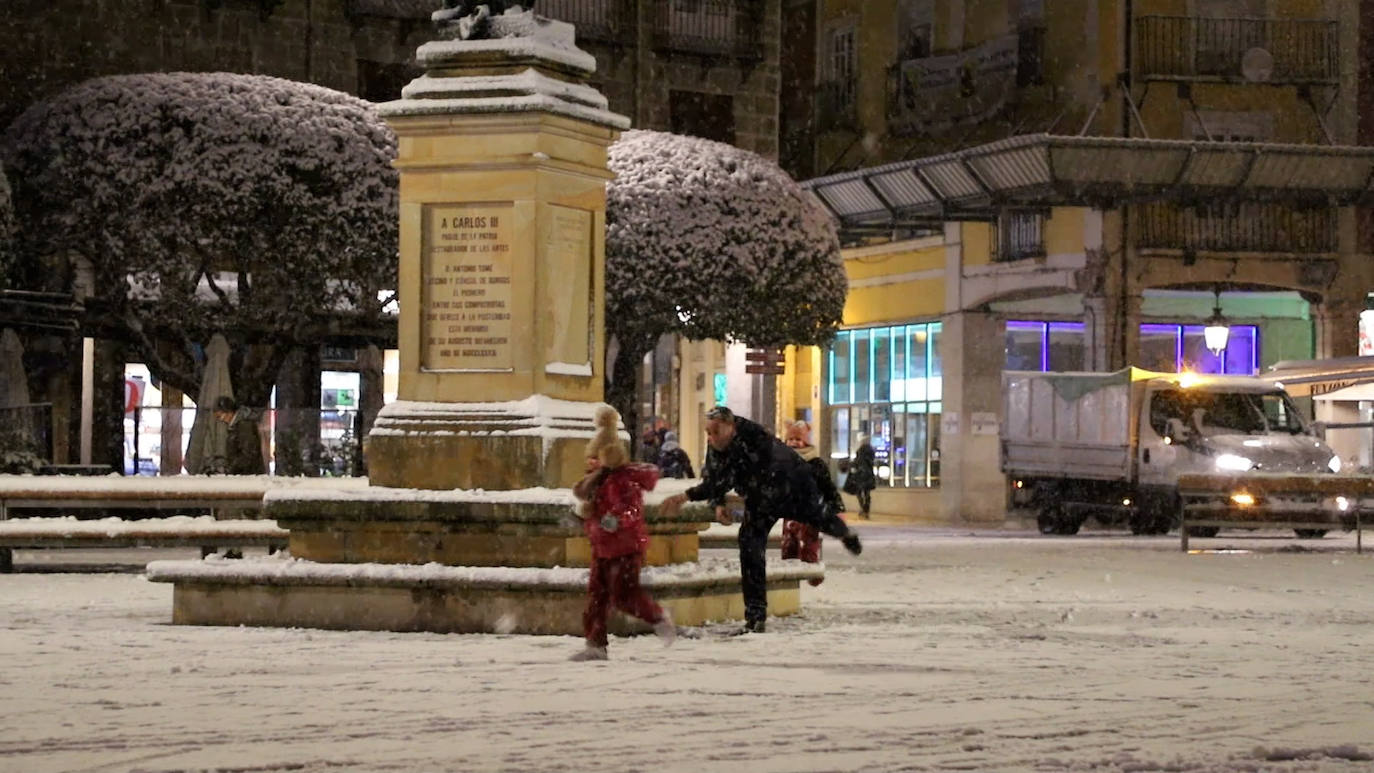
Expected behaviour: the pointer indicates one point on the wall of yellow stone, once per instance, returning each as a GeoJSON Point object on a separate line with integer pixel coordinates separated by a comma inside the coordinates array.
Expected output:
{"type": "Point", "coordinates": [1064, 231]}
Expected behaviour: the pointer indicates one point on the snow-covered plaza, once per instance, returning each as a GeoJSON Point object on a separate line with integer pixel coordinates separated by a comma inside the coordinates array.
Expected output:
{"type": "Point", "coordinates": [934, 650]}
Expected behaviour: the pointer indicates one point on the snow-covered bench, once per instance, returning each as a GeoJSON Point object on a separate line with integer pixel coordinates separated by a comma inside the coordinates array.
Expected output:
{"type": "Point", "coordinates": [213, 494]}
{"type": "Point", "coordinates": [204, 532]}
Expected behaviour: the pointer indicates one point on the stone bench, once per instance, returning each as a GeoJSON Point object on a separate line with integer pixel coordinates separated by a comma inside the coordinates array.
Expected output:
{"type": "Point", "coordinates": [451, 599]}
{"type": "Point", "coordinates": [205, 533]}
{"type": "Point", "coordinates": [213, 494]}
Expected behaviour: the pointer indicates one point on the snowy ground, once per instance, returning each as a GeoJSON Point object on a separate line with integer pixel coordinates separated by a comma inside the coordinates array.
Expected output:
{"type": "Point", "coordinates": [935, 650]}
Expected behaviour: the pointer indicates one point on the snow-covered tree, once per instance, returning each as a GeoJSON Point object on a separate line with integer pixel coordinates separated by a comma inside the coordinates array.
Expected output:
{"type": "Point", "coordinates": [205, 202]}
{"type": "Point", "coordinates": [711, 241]}
{"type": "Point", "coordinates": [6, 231]}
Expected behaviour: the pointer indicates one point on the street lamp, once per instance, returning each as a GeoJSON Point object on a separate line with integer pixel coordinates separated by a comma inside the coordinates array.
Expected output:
{"type": "Point", "coordinates": [1217, 331]}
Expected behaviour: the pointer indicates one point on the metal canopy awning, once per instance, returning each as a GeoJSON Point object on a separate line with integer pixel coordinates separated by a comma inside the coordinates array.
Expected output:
{"type": "Point", "coordinates": [1042, 170]}
{"type": "Point", "coordinates": [1303, 378]}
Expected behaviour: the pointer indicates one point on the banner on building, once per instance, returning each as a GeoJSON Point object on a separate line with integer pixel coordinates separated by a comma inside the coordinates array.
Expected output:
{"type": "Point", "coordinates": [962, 88]}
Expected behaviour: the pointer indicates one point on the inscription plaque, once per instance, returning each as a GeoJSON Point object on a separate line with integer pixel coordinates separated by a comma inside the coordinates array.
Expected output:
{"type": "Point", "coordinates": [466, 288]}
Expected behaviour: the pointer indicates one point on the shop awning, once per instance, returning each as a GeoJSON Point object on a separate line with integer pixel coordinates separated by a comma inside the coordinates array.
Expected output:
{"type": "Point", "coordinates": [1042, 170]}
{"type": "Point", "coordinates": [1319, 378]}
{"type": "Point", "coordinates": [1356, 393]}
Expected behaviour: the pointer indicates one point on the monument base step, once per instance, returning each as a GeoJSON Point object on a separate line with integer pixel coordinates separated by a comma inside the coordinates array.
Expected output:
{"type": "Point", "coordinates": [293, 593]}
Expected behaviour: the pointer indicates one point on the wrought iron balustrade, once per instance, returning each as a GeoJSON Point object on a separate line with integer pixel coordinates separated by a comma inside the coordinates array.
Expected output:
{"type": "Point", "coordinates": [1018, 236]}
{"type": "Point", "coordinates": [1290, 51]}
{"type": "Point", "coordinates": [710, 27]}
{"type": "Point", "coordinates": [1263, 227]}
{"type": "Point", "coordinates": [601, 20]}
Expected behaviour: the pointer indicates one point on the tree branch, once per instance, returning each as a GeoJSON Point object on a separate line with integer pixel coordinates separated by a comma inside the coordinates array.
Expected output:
{"type": "Point", "coordinates": [204, 270]}
{"type": "Point", "coordinates": [188, 383]}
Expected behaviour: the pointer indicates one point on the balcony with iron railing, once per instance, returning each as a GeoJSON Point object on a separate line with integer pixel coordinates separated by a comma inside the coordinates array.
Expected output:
{"type": "Point", "coordinates": [837, 105]}
{"type": "Point", "coordinates": [1018, 236]}
{"type": "Point", "coordinates": [1194, 48]}
{"type": "Point", "coordinates": [1243, 227]}
{"type": "Point", "coordinates": [725, 28]}
{"type": "Point", "coordinates": [599, 20]}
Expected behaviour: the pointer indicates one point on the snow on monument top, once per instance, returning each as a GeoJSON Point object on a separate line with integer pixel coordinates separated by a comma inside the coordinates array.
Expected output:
{"type": "Point", "coordinates": [512, 53]}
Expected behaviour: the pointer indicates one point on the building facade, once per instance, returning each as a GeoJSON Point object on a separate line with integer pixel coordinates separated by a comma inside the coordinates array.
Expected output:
{"type": "Point", "coordinates": [703, 67]}
{"type": "Point", "coordinates": [1077, 186]}
{"type": "Point", "coordinates": [709, 68]}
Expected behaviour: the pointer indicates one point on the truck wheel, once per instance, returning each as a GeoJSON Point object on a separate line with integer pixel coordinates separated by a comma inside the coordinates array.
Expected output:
{"type": "Point", "coordinates": [1051, 519]}
{"type": "Point", "coordinates": [1156, 514]}
{"type": "Point", "coordinates": [1310, 533]}
{"type": "Point", "coordinates": [1142, 522]}
{"type": "Point", "coordinates": [1047, 521]}
{"type": "Point", "coordinates": [1203, 531]}
{"type": "Point", "coordinates": [1069, 526]}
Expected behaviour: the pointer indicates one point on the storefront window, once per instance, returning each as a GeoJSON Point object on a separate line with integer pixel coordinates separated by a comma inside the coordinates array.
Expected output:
{"type": "Point", "coordinates": [1065, 350]}
{"type": "Point", "coordinates": [841, 369]}
{"type": "Point", "coordinates": [1189, 350]}
{"type": "Point", "coordinates": [1045, 346]}
{"type": "Point", "coordinates": [1059, 346]}
{"type": "Point", "coordinates": [863, 361]}
{"type": "Point", "coordinates": [885, 383]}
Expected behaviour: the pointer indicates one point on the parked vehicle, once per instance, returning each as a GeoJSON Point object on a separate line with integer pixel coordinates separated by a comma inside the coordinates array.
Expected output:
{"type": "Point", "coordinates": [1113, 445]}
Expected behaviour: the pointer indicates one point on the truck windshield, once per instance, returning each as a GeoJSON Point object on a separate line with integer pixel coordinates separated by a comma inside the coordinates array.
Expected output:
{"type": "Point", "coordinates": [1225, 413]}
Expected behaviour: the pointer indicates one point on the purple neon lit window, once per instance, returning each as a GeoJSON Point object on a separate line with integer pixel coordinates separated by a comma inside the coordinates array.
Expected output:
{"type": "Point", "coordinates": [1059, 346]}
{"type": "Point", "coordinates": [1172, 348]}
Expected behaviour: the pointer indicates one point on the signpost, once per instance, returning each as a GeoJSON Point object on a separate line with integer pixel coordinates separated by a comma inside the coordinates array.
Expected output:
{"type": "Point", "coordinates": [770, 362]}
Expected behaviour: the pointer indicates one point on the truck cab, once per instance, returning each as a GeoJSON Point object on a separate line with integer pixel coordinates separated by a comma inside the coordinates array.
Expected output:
{"type": "Point", "coordinates": [1193, 424]}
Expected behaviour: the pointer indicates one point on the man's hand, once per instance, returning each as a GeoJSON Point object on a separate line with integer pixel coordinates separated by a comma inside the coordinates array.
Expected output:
{"type": "Point", "coordinates": [723, 516]}
{"type": "Point", "coordinates": [672, 504]}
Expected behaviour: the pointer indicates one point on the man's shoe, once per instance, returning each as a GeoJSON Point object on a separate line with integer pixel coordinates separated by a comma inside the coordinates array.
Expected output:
{"type": "Point", "coordinates": [755, 626]}
{"type": "Point", "coordinates": [852, 544]}
{"type": "Point", "coordinates": [666, 629]}
{"type": "Point", "coordinates": [590, 653]}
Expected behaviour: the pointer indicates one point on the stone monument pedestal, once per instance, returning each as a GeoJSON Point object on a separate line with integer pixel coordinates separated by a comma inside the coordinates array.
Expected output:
{"type": "Point", "coordinates": [465, 527]}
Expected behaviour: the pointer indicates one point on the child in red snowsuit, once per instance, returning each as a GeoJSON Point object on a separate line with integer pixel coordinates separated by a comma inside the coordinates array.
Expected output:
{"type": "Point", "coordinates": [798, 539]}
{"type": "Point", "coordinates": [612, 512]}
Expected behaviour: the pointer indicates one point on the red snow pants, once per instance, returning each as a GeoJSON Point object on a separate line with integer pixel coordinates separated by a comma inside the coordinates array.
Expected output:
{"type": "Point", "coordinates": [802, 541]}
{"type": "Point", "coordinates": [616, 581]}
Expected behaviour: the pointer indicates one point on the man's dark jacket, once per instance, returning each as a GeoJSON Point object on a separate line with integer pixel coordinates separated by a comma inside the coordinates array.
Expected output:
{"type": "Point", "coordinates": [770, 476]}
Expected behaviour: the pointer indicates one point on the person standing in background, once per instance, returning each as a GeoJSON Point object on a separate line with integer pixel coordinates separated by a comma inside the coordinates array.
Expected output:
{"type": "Point", "coordinates": [672, 460]}
{"type": "Point", "coordinates": [861, 480]}
{"type": "Point", "coordinates": [800, 540]}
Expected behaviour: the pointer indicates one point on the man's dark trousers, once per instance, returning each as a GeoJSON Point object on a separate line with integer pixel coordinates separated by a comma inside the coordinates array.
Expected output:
{"type": "Point", "coordinates": [789, 493]}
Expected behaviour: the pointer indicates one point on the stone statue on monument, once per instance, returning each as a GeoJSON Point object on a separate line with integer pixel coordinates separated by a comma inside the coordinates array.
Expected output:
{"type": "Point", "coordinates": [471, 19]}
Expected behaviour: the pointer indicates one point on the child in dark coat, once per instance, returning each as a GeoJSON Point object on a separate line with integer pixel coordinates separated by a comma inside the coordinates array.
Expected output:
{"type": "Point", "coordinates": [612, 512]}
{"type": "Point", "coordinates": [798, 539]}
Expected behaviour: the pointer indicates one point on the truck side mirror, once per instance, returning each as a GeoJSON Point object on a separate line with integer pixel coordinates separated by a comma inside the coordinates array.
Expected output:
{"type": "Point", "coordinates": [1175, 431]}
{"type": "Point", "coordinates": [1317, 429]}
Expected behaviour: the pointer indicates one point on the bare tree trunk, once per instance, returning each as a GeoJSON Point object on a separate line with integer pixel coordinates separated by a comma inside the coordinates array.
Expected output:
{"type": "Point", "coordinates": [623, 390]}
{"type": "Point", "coordinates": [107, 424]}
{"type": "Point", "coordinates": [298, 413]}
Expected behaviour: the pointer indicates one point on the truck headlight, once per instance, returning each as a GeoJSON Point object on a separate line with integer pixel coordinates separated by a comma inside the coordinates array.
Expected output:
{"type": "Point", "coordinates": [1233, 463]}
{"type": "Point", "coordinates": [1334, 464]}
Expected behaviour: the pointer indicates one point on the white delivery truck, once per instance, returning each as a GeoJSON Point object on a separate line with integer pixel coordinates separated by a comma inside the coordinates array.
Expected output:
{"type": "Point", "coordinates": [1113, 445]}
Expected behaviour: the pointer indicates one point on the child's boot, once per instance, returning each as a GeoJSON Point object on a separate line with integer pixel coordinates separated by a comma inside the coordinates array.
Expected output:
{"type": "Point", "coordinates": [590, 653]}
{"type": "Point", "coordinates": [666, 629]}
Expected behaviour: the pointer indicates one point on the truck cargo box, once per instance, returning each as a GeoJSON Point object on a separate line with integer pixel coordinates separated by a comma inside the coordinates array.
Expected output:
{"type": "Point", "coordinates": [1077, 425]}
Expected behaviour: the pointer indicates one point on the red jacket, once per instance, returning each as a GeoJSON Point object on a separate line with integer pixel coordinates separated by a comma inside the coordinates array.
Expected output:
{"type": "Point", "coordinates": [621, 496]}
